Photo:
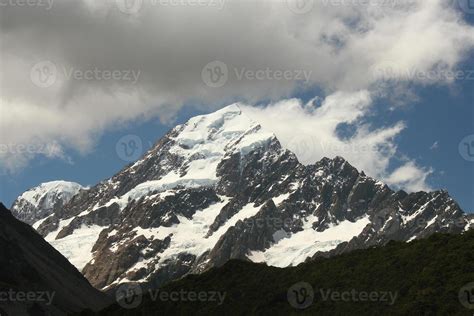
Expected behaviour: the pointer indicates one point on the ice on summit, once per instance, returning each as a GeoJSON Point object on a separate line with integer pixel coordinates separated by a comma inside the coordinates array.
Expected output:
{"type": "Point", "coordinates": [203, 142]}
{"type": "Point", "coordinates": [37, 203]}
{"type": "Point", "coordinates": [44, 193]}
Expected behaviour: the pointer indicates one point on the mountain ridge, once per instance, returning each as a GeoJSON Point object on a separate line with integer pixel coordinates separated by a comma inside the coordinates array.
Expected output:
{"type": "Point", "coordinates": [219, 187]}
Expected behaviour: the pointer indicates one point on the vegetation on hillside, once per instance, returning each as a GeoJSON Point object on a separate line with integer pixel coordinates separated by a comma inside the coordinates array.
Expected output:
{"type": "Point", "coordinates": [425, 277]}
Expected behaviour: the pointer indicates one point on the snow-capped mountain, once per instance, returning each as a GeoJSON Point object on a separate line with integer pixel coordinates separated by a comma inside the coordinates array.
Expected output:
{"type": "Point", "coordinates": [39, 202]}
{"type": "Point", "coordinates": [220, 187]}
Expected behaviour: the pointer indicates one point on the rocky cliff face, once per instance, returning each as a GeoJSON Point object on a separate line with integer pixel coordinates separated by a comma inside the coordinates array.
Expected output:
{"type": "Point", "coordinates": [35, 279]}
{"type": "Point", "coordinates": [220, 187]}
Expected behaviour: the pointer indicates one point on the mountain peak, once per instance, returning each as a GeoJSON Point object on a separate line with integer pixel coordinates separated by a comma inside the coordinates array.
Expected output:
{"type": "Point", "coordinates": [220, 187]}
{"type": "Point", "coordinates": [39, 202]}
{"type": "Point", "coordinates": [231, 108]}
{"type": "Point", "coordinates": [34, 195]}
{"type": "Point", "coordinates": [188, 156]}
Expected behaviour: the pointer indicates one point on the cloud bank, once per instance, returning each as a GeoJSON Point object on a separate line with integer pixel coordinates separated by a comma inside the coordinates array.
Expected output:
{"type": "Point", "coordinates": [311, 131]}
{"type": "Point", "coordinates": [74, 69]}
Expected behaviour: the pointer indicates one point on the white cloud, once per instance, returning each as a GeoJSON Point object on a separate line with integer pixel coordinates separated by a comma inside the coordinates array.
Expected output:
{"type": "Point", "coordinates": [311, 132]}
{"type": "Point", "coordinates": [348, 48]}
{"type": "Point", "coordinates": [410, 177]}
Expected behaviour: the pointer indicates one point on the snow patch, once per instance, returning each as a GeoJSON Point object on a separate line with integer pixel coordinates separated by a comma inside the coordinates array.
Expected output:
{"type": "Point", "coordinates": [189, 236]}
{"type": "Point", "coordinates": [277, 200]}
{"type": "Point", "coordinates": [77, 247]}
{"type": "Point", "coordinates": [469, 225]}
{"type": "Point", "coordinates": [299, 246]}
{"type": "Point", "coordinates": [38, 223]}
{"type": "Point", "coordinates": [432, 221]}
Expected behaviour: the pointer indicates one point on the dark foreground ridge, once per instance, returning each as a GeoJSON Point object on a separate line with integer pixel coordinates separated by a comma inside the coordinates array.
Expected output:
{"type": "Point", "coordinates": [35, 279]}
{"type": "Point", "coordinates": [424, 277]}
